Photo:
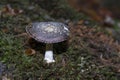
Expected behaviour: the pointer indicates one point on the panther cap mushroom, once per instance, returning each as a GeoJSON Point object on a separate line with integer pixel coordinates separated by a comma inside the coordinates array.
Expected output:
{"type": "Point", "coordinates": [49, 33]}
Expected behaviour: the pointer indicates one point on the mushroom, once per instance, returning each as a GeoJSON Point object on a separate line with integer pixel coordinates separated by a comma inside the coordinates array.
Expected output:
{"type": "Point", "coordinates": [49, 33]}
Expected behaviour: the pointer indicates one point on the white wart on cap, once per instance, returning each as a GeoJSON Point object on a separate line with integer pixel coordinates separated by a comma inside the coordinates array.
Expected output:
{"type": "Point", "coordinates": [48, 32]}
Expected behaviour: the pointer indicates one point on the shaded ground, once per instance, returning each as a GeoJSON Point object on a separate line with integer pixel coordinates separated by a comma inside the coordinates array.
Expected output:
{"type": "Point", "coordinates": [92, 54]}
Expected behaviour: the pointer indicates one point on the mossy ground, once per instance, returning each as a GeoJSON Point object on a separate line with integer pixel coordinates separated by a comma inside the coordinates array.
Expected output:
{"type": "Point", "coordinates": [89, 55]}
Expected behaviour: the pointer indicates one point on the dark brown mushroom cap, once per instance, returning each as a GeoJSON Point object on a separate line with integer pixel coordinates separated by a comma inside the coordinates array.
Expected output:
{"type": "Point", "coordinates": [48, 32]}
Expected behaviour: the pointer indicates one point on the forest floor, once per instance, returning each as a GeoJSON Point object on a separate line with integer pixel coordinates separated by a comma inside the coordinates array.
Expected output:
{"type": "Point", "coordinates": [91, 53]}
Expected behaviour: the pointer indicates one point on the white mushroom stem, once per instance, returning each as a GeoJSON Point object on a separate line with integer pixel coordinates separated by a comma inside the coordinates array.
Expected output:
{"type": "Point", "coordinates": [49, 53]}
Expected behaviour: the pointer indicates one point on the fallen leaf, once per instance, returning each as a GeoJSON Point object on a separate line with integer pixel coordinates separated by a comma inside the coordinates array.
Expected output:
{"type": "Point", "coordinates": [11, 11]}
{"type": "Point", "coordinates": [30, 51]}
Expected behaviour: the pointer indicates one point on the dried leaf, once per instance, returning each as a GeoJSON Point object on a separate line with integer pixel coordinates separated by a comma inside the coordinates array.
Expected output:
{"type": "Point", "coordinates": [30, 51]}
{"type": "Point", "coordinates": [10, 11]}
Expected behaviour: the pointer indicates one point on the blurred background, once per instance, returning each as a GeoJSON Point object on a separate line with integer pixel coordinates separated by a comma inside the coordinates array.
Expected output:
{"type": "Point", "coordinates": [102, 11]}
